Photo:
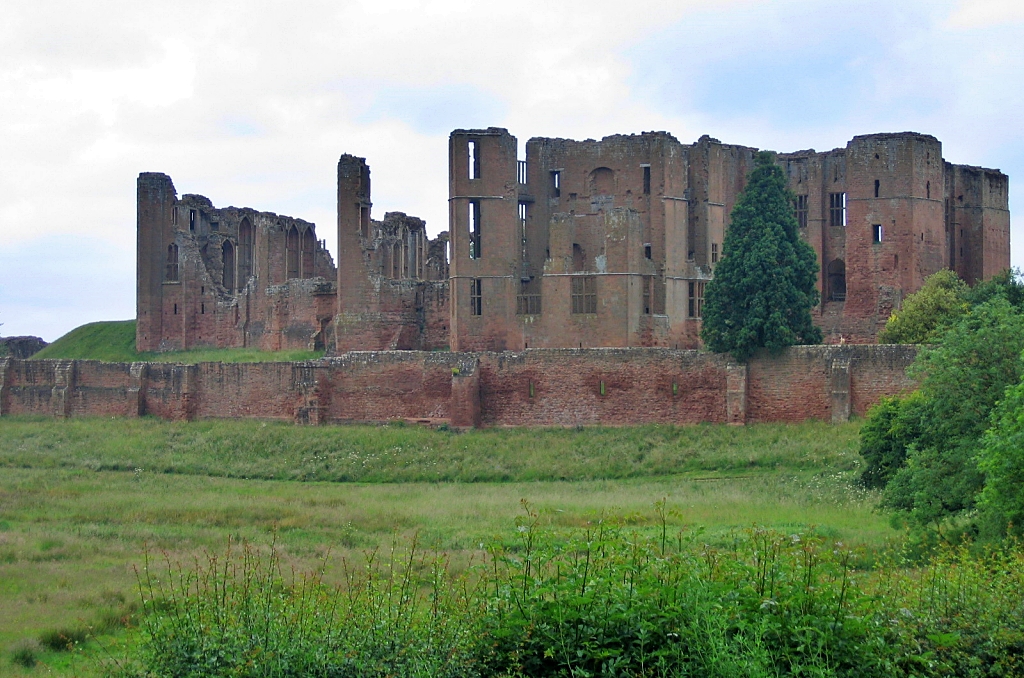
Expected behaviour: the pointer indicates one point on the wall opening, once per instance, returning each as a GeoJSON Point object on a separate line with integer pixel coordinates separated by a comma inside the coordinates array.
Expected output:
{"type": "Point", "coordinates": [928, 190]}
{"type": "Point", "coordinates": [584, 294]}
{"type": "Point", "coordinates": [364, 220]}
{"type": "Point", "coordinates": [396, 260]}
{"type": "Point", "coordinates": [192, 220]}
{"type": "Point", "coordinates": [647, 250]}
{"type": "Point", "coordinates": [800, 207]}
{"type": "Point", "coordinates": [837, 280]}
{"type": "Point", "coordinates": [476, 305]}
{"type": "Point", "coordinates": [475, 250]}
{"type": "Point", "coordinates": [227, 258]}
{"type": "Point", "coordinates": [528, 300]}
{"type": "Point", "coordinates": [877, 184]}
{"type": "Point", "coordinates": [695, 294]}
{"type": "Point", "coordinates": [647, 179]}
{"type": "Point", "coordinates": [556, 184]}
{"type": "Point", "coordinates": [648, 285]}
{"type": "Point", "coordinates": [473, 159]}
{"type": "Point", "coordinates": [291, 252]}
{"type": "Point", "coordinates": [876, 233]}
{"type": "Point", "coordinates": [244, 253]}
{"type": "Point", "coordinates": [714, 253]}
{"type": "Point", "coordinates": [307, 267]}
{"type": "Point", "coordinates": [171, 274]}
{"type": "Point", "coordinates": [837, 209]}
{"type": "Point", "coordinates": [579, 258]}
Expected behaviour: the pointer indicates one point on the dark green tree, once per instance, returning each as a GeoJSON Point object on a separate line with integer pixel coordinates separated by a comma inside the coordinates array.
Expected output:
{"type": "Point", "coordinates": [764, 286]}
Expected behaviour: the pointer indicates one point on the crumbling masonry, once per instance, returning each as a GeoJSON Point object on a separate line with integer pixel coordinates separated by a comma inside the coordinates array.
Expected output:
{"type": "Point", "coordinates": [581, 244]}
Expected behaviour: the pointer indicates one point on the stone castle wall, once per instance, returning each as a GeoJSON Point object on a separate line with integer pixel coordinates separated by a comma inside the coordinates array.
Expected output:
{"type": "Point", "coordinates": [537, 387]}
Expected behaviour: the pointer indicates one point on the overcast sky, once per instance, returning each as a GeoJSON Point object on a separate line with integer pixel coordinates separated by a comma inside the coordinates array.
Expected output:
{"type": "Point", "coordinates": [251, 103]}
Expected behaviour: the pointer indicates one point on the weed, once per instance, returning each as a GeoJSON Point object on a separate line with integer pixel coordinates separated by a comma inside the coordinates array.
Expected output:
{"type": "Point", "coordinates": [25, 653]}
{"type": "Point", "coordinates": [63, 639]}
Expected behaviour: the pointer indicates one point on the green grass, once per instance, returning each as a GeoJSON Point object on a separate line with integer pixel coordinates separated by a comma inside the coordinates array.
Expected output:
{"type": "Point", "coordinates": [114, 341]}
{"type": "Point", "coordinates": [81, 499]}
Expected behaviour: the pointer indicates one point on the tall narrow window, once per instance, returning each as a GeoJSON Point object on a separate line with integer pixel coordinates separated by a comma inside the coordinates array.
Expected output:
{"type": "Point", "coordinates": [648, 281]}
{"type": "Point", "coordinates": [877, 183]}
{"type": "Point", "coordinates": [308, 254]}
{"type": "Point", "coordinates": [696, 298]}
{"type": "Point", "coordinates": [584, 294]}
{"type": "Point", "coordinates": [647, 179]}
{"type": "Point", "coordinates": [876, 232]}
{"type": "Point", "coordinates": [837, 209]}
{"type": "Point", "coordinates": [291, 253]}
{"type": "Point", "coordinates": [556, 184]}
{"type": "Point", "coordinates": [801, 211]}
{"type": "Point", "coordinates": [476, 306]}
{"type": "Point", "coordinates": [364, 220]}
{"type": "Point", "coordinates": [837, 280]}
{"type": "Point", "coordinates": [244, 252]}
{"type": "Point", "coordinates": [521, 171]}
{"type": "Point", "coordinates": [522, 214]}
{"type": "Point", "coordinates": [473, 160]}
{"type": "Point", "coordinates": [396, 260]}
{"type": "Point", "coordinates": [928, 190]}
{"type": "Point", "coordinates": [714, 253]}
{"type": "Point", "coordinates": [474, 230]}
{"type": "Point", "coordinates": [172, 263]}
{"type": "Point", "coordinates": [191, 220]}
{"type": "Point", "coordinates": [227, 257]}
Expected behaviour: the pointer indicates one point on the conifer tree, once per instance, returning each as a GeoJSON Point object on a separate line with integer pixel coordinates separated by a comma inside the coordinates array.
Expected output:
{"type": "Point", "coordinates": [764, 286]}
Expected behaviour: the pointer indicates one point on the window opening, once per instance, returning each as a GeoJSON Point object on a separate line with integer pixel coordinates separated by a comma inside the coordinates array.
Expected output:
{"type": "Point", "coordinates": [647, 250]}
{"type": "Point", "coordinates": [837, 209]}
{"type": "Point", "coordinates": [292, 253]}
{"type": "Point", "coordinates": [696, 298]}
{"type": "Point", "coordinates": [521, 171]}
{"type": "Point", "coordinates": [172, 262]}
{"type": "Point", "coordinates": [556, 184]}
{"type": "Point", "coordinates": [214, 225]}
{"type": "Point", "coordinates": [396, 261]}
{"type": "Point", "coordinates": [837, 280]}
{"type": "Point", "coordinates": [714, 253]}
{"type": "Point", "coordinates": [801, 211]}
{"type": "Point", "coordinates": [364, 220]}
{"type": "Point", "coordinates": [174, 216]}
{"type": "Point", "coordinates": [191, 220]}
{"type": "Point", "coordinates": [175, 309]}
{"type": "Point", "coordinates": [584, 294]}
{"type": "Point", "coordinates": [227, 257]}
{"type": "Point", "coordinates": [876, 233]}
{"type": "Point", "coordinates": [202, 309]}
{"type": "Point", "coordinates": [474, 160]}
{"type": "Point", "coordinates": [244, 253]}
{"type": "Point", "coordinates": [476, 306]}
{"type": "Point", "coordinates": [647, 179]}
{"type": "Point", "coordinates": [528, 301]}
{"type": "Point", "coordinates": [579, 258]}
{"type": "Point", "coordinates": [876, 187]}
{"type": "Point", "coordinates": [648, 282]}
{"type": "Point", "coordinates": [474, 229]}
{"type": "Point", "coordinates": [522, 213]}
{"type": "Point", "coordinates": [308, 254]}
{"type": "Point", "coordinates": [928, 190]}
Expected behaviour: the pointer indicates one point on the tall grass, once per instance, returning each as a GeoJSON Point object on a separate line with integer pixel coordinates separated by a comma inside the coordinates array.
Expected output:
{"type": "Point", "coordinates": [602, 601]}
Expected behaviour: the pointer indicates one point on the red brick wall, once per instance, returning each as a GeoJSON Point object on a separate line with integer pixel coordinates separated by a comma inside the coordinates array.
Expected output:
{"type": "Point", "coordinates": [538, 387]}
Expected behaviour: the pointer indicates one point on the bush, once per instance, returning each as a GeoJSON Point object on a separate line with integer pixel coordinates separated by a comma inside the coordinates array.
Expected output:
{"type": "Point", "coordinates": [25, 654]}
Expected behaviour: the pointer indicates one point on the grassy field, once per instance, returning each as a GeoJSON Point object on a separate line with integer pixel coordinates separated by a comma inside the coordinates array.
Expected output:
{"type": "Point", "coordinates": [81, 500]}
{"type": "Point", "coordinates": [114, 341]}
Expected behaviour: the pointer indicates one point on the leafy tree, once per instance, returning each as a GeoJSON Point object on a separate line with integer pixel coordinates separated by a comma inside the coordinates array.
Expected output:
{"type": "Point", "coordinates": [941, 300]}
{"type": "Point", "coordinates": [892, 425]}
{"type": "Point", "coordinates": [963, 376]}
{"type": "Point", "coordinates": [764, 286]}
{"type": "Point", "coordinates": [1007, 285]}
{"type": "Point", "coordinates": [1001, 460]}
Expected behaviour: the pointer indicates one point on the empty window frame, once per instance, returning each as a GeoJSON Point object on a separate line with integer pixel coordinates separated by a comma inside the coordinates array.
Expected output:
{"type": "Point", "coordinates": [714, 253]}
{"type": "Point", "coordinates": [648, 286]}
{"type": "Point", "coordinates": [876, 233]}
{"type": "Point", "coordinates": [307, 262]}
{"type": "Point", "coordinates": [837, 209]}
{"type": "Point", "coordinates": [291, 253]}
{"type": "Point", "coordinates": [928, 190]}
{"type": "Point", "coordinates": [521, 171]}
{"type": "Point", "coordinates": [528, 301]}
{"type": "Point", "coordinates": [476, 305]}
{"type": "Point", "coordinates": [522, 213]}
{"type": "Point", "coordinates": [227, 256]}
{"type": "Point", "coordinates": [836, 274]}
{"type": "Point", "coordinates": [192, 220]}
{"type": "Point", "coordinates": [877, 185]}
{"type": "Point", "coordinates": [556, 183]}
{"type": "Point", "coordinates": [801, 211]}
{"type": "Point", "coordinates": [584, 294]}
{"type": "Point", "coordinates": [647, 179]}
{"type": "Point", "coordinates": [475, 251]}
{"type": "Point", "coordinates": [364, 219]}
{"type": "Point", "coordinates": [695, 308]}
{"type": "Point", "coordinates": [245, 236]}
{"type": "Point", "coordinates": [647, 250]}
{"type": "Point", "coordinates": [473, 159]}
{"type": "Point", "coordinates": [172, 263]}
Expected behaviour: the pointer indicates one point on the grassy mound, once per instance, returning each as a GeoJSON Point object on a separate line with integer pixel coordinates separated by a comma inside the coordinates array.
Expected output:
{"type": "Point", "coordinates": [111, 341]}
{"type": "Point", "coordinates": [114, 341]}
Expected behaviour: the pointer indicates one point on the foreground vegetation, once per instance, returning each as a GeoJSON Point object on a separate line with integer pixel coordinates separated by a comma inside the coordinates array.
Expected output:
{"type": "Point", "coordinates": [114, 341]}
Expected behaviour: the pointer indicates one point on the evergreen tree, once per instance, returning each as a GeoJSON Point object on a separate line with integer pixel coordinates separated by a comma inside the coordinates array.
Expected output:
{"type": "Point", "coordinates": [764, 286]}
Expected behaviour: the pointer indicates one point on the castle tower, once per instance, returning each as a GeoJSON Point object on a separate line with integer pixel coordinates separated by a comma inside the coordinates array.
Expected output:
{"type": "Point", "coordinates": [353, 231]}
{"type": "Point", "coordinates": [157, 256]}
{"type": "Point", "coordinates": [485, 240]}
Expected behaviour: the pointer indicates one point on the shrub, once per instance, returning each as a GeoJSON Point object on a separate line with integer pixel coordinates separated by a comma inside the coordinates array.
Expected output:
{"type": "Point", "coordinates": [25, 653]}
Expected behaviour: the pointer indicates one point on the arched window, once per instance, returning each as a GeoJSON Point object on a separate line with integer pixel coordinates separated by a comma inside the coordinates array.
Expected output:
{"type": "Point", "coordinates": [396, 260]}
{"type": "Point", "coordinates": [227, 257]}
{"type": "Point", "coordinates": [172, 262]}
{"type": "Point", "coordinates": [837, 280]}
{"type": "Point", "coordinates": [308, 253]}
{"type": "Point", "coordinates": [245, 250]}
{"type": "Point", "coordinates": [291, 253]}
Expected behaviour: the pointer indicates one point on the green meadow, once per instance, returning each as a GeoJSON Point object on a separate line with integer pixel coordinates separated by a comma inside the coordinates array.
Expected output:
{"type": "Point", "coordinates": [82, 501]}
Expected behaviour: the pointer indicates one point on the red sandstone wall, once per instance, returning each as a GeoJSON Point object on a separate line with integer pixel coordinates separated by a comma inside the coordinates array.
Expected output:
{"type": "Point", "coordinates": [538, 387]}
